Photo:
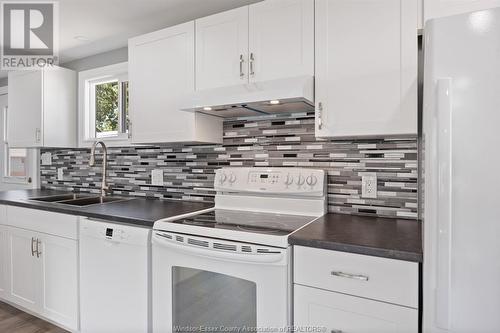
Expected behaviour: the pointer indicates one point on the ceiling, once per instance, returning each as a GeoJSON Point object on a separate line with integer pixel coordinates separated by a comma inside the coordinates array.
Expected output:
{"type": "Point", "coordinates": [104, 25]}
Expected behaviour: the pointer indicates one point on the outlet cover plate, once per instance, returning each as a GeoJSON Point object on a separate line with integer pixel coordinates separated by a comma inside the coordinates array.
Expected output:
{"type": "Point", "coordinates": [157, 177]}
{"type": "Point", "coordinates": [46, 158]}
{"type": "Point", "coordinates": [369, 185]}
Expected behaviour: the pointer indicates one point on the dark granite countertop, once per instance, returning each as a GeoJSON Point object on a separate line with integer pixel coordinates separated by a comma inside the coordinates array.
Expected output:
{"type": "Point", "coordinates": [380, 237]}
{"type": "Point", "coordinates": [137, 211]}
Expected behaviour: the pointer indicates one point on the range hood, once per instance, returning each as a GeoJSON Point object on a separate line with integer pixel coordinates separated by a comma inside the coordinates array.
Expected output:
{"type": "Point", "coordinates": [294, 94]}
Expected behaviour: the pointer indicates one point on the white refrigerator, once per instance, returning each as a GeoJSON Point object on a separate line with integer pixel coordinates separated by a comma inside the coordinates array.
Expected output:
{"type": "Point", "coordinates": [461, 154]}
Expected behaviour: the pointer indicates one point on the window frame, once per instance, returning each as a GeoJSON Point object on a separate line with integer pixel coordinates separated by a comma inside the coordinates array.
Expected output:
{"type": "Point", "coordinates": [86, 108]}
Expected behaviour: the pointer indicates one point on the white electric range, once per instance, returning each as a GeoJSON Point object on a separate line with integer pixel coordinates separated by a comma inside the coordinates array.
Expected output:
{"type": "Point", "coordinates": [228, 268]}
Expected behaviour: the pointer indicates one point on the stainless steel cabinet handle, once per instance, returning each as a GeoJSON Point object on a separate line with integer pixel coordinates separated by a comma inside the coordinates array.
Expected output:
{"type": "Point", "coordinates": [33, 251]}
{"type": "Point", "coordinates": [37, 135]}
{"type": "Point", "coordinates": [241, 66]}
{"type": "Point", "coordinates": [38, 252]}
{"type": "Point", "coordinates": [129, 129]}
{"type": "Point", "coordinates": [252, 59]}
{"type": "Point", "coordinates": [350, 276]}
{"type": "Point", "coordinates": [320, 115]}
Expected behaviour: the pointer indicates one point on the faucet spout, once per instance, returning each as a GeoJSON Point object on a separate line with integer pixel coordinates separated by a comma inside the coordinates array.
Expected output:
{"type": "Point", "coordinates": [104, 184]}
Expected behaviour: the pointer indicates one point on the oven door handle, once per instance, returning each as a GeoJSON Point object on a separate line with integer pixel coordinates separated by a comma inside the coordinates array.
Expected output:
{"type": "Point", "coordinates": [260, 258]}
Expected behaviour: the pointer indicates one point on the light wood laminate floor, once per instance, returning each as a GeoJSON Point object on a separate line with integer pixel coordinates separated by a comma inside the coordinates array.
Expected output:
{"type": "Point", "coordinates": [13, 320]}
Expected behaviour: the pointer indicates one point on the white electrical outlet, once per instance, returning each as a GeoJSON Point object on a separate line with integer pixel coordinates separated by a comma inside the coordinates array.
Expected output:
{"type": "Point", "coordinates": [369, 185]}
{"type": "Point", "coordinates": [46, 158]}
{"type": "Point", "coordinates": [60, 174]}
{"type": "Point", "coordinates": [157, 177]}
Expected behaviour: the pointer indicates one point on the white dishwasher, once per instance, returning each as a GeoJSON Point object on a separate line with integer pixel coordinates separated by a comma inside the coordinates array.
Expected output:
{"type": "Point", "coordinates": [114, 277]}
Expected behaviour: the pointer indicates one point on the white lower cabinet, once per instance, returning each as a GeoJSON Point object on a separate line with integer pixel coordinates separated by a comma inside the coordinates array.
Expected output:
{"type": "Point", "coordinates": [59, 263]}
{"type": "Point", "coordinates": [40, 269]}
{"type": "Point", "coordinates": [346, 292]}
{"type": "Point", "coordinates": [24, 268]}
{"type": "Point", "coordinates": [343, 313]}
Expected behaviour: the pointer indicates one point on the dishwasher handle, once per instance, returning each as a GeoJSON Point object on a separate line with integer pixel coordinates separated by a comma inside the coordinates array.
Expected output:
{"type": "Point", "coordinates": [278, 258]}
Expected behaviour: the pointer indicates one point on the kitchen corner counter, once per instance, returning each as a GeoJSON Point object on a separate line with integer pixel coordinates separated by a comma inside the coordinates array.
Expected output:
{"type": "Point", "coordinates": [135, 211]}
{"type": "Point", "coordinates": [381, 237]}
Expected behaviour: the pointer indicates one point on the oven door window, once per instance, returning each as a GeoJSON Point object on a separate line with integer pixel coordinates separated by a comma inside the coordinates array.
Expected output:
{"type": "Point", "coordinates": [204, 300]}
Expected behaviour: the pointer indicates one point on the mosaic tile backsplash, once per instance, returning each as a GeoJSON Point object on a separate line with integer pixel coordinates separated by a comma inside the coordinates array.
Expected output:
{"type": "Point", "coordinates": [280, 140]}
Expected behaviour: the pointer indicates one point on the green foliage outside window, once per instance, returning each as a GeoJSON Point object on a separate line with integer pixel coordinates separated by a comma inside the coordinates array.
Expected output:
{"type": "Point", "coordinates": [106, 107]}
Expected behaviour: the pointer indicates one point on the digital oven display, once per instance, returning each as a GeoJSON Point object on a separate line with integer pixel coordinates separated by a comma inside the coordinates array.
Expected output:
{"type": "Point", "coordinates": [264, 176]}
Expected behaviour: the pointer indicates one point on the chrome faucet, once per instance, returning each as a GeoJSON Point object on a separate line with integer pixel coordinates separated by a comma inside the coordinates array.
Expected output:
{"type": "Point", "coordinates": [104, 185]}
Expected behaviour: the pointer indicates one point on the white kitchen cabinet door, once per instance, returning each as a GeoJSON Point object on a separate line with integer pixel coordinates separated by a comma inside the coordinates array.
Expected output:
{"type": "Point", "coordinates": [161, 75]}
{"type": "Point", "coordinates": [24, 116]}
{"type": "Point", "coordinates": [366, 67]}
{"type": "Point", "coordinates": [343, 313]}
{"type": "Point", "coordinates": [281, 42]}
{"type": "Point", "coordinates": [3, 262]}
{"type": "Point", "coordinates": [222, 49]}
{"type": "Point", "coordinates": [59, 285]}
{"type": "Point", "coordinates": [23, 269]}
{"type": "Point", "coordinates": [442, 8]}
{"type": "Point", "coordinates": [42, 108]}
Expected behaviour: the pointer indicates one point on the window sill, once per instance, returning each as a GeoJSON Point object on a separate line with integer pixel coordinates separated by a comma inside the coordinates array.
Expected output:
{"type": "Point", "coordinates": [16, 180]}
{"type": "Point", "coordinates": [110, 141]}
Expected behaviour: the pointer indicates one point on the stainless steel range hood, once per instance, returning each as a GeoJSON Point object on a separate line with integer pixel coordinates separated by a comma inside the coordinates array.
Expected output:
{"type": "Point", "coordinates": [277, 96]}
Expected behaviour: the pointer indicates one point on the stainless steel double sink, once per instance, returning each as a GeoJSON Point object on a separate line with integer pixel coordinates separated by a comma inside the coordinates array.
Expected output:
{"type": "Point", "coordinates": [74, 199]}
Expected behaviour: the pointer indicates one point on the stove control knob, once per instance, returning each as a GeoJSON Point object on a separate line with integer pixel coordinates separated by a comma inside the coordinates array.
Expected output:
{"type": "Point", "coordinates": [311, 180]}
{"type": "Point", "coordinates": [288, 180]}
{"type": "Point", "coordinates": [232, 178]}
{"type": "Point", "coordinates": [301, 180]}
{"type": "Point", "coordinates": [222, 178]}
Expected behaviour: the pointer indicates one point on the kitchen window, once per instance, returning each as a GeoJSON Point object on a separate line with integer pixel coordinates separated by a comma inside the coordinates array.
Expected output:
{"type": "Point", "coordinates": [16, 166]}
{"type": "Point", "coordinates": [104, 105]}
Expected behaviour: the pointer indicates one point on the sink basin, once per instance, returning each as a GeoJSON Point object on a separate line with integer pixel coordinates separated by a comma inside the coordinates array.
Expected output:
{"type": "Point", "coordinates": [91, 201]}
{"type": "Point", "coordinates": [59, 197]}
{"type": "Point", "coordinates": [78, 199]}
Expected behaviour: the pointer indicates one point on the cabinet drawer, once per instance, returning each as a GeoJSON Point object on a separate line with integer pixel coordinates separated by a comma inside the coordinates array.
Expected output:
{"type": "Point", "coordinates": [388, 280]}
{"type": "Point", "coordinates": [334, 312]}
{"type": "Point", "coordinates": [47, 222]}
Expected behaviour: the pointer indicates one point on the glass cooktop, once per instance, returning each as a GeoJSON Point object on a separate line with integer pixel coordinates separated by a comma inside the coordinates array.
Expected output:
{"type": "Point", "coordinates": [264, 223]}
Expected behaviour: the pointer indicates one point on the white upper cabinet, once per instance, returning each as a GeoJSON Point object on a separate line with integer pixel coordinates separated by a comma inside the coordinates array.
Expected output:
{"type": "Point", "coordinates": [161, 75]}
{"type": "Point", "coordinates": [42, 108]}
{"type": "Point", "coordinates": [269, 40]}
{"type": "Point", "coordinates": [222, 49]}
{"type": "Point", "coordinates": [281, 39]}
{"type": "Point", "coordinates": [366, 67]}
{"type": "Point", "coordinates": [441, 8]}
